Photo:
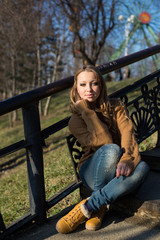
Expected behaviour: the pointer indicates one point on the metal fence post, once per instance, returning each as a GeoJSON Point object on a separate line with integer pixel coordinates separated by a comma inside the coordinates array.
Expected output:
{"type": "Point", "coordinates": [2, 225]}
{"type": "Point", "coordinates": [35, 169]}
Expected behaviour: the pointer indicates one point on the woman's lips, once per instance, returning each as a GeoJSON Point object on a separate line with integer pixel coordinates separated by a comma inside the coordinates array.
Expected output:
{"type": "Point", "coordinates": [91, 95]}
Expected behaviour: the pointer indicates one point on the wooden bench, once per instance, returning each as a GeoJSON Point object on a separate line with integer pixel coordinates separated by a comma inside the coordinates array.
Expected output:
{"type": "Point", "coordinates": [142, 99]}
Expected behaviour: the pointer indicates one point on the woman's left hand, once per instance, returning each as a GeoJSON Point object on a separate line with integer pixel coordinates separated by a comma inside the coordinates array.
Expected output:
{"type": "Point", "coordinates": [122, 170]}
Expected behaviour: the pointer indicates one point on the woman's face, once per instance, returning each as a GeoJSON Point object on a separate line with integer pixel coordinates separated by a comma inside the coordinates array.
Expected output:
{"type": "Point", "coordinates": [88, 86]}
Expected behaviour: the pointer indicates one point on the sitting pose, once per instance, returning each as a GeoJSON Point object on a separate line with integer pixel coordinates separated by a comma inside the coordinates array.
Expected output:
{"type": "Point", "coordinates": [111, 165]}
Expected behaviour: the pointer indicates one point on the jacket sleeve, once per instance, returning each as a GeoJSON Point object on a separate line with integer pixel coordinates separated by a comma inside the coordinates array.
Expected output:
{"type": "Point", "coordinates": [88, 128]}
{"type": "Point", "coordinates": [129, 144]}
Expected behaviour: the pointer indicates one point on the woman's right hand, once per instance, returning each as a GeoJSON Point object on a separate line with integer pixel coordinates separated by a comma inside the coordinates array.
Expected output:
{"type": "Point", "coordinates": [77, 102]}
{"type": "Point", "coordinates": [123, 170]}
{"type": "Point", "coordinates": [82, 105]}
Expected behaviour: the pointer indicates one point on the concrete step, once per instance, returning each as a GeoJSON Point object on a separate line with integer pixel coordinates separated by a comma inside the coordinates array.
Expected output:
{"type": "Point", "coordinates": [146, 202]}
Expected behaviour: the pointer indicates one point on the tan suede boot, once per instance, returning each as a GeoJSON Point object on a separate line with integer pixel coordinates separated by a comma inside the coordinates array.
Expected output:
{"type": "Point", "coordinates": [95, 222]}
{"type": "Point", "coordinates": [74, 218]}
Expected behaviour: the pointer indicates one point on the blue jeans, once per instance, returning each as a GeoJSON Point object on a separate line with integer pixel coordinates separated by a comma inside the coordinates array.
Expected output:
{"type": "Point", "coordinates": [99, 175]}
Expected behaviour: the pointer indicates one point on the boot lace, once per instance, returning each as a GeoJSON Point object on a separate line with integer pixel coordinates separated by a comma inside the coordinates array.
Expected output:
{"type": "Point", "coordinates": [74, 217]}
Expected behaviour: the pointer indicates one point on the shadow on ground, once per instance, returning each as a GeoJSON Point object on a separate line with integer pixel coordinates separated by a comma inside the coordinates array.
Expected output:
{"type": "Point", "coordinates": [115, 226]}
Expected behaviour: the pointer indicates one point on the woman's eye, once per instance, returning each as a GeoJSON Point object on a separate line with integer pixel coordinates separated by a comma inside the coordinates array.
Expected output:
{"type": "Point", "coordinates": [82, 84]}
{"type": "Point", "coordinates": [95, 83]}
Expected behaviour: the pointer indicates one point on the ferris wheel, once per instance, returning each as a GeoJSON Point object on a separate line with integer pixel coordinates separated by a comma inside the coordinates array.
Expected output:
{"type": "Point", "coordinates": [141, 25]}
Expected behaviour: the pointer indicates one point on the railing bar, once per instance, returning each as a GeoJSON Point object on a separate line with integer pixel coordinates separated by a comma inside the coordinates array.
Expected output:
{"type": "Point", "coordinates": [127, 60]}
{"type": "Point", "coordinates": [147, 135]}
{"type": "Point", "coordinates": [133, 101]}
{"type": "Point", "coordinates": [16, 225]}
{"type": "Point", "coordinates": [62, 194]}
{"type": "Point", "coordinates": [135, 85]}
{"type": "Point", "coordinates": [34, 95]}
{"type": "Point", "coordinates": [34, 156]}
{"type": "Point", "coordinates": [13, 148]}
{"type": "Point", "coordinates": [54, 128]}
{"type": "Point", "coordinates": [2, 225]}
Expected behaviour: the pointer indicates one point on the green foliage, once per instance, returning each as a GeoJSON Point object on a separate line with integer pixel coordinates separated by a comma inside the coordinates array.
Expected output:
{"type": "Point", "coordinates": [58, 170]}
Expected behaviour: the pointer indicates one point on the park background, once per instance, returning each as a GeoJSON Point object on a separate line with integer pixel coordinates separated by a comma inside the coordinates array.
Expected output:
{"type": "Point", "coordinates": [44, 41]}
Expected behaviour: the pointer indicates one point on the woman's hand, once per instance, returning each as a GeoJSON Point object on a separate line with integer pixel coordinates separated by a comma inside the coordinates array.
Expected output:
{"type": "Point", "coordinates": [122, 170]}
{"type": "Point", "coordinates": [77, 102]}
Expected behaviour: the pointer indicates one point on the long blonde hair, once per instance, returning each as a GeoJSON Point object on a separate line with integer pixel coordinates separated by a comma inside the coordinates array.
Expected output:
{"type": "Point", "coordinates": [104, 104]}
{"type": "Point", "coordinates": [102, 99]}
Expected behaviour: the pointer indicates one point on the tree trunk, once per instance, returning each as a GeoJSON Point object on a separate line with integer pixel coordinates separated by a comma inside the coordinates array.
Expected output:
{"type": "Point", "coordinates": [39, 76]}
{"type": "Point", "coordinates": [53, 79]}
{"type": "Point", "coordinates": [13, 93]}
{"type": "Point", "coordinates": [47, 106]}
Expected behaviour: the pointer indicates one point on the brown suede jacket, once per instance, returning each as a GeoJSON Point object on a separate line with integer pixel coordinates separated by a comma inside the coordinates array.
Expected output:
{"type": "Point", "coordinates": [92, 131]}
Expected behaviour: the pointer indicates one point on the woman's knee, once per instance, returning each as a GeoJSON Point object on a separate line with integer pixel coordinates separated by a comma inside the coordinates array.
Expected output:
{"type": "Point", "coordinates": [140, 172]}
{"type": "Point", "coordinates": [142, 169]}
{"type": "Point", "coordinates": [112, 150]}
{"type": "Point", "coordinates": [110, 153]}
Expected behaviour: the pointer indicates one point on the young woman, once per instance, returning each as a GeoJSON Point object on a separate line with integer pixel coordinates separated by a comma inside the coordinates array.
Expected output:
{"type": "Point", "coordinates": [111, 165]}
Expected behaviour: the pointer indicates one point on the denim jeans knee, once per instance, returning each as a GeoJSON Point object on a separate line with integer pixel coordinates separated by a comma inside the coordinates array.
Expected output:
{"type": "Point", "coordinates": [101, 167]}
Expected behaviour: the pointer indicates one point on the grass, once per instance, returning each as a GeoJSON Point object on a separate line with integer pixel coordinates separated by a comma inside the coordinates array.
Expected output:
{"type": "Point", "coordinates": [58, 170]}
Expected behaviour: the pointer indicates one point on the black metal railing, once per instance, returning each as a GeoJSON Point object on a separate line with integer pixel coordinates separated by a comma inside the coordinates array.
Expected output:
{"type": "Point", "coordinates": [34, 138]}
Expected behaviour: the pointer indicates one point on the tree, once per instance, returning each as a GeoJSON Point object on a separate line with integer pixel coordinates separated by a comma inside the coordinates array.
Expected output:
{"type": "Point", "coordinates": [90, 22]}
{"type": "Point", "coordinates": [11, 40]}
{"type": "Point", "coordinates": [56, 62]}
